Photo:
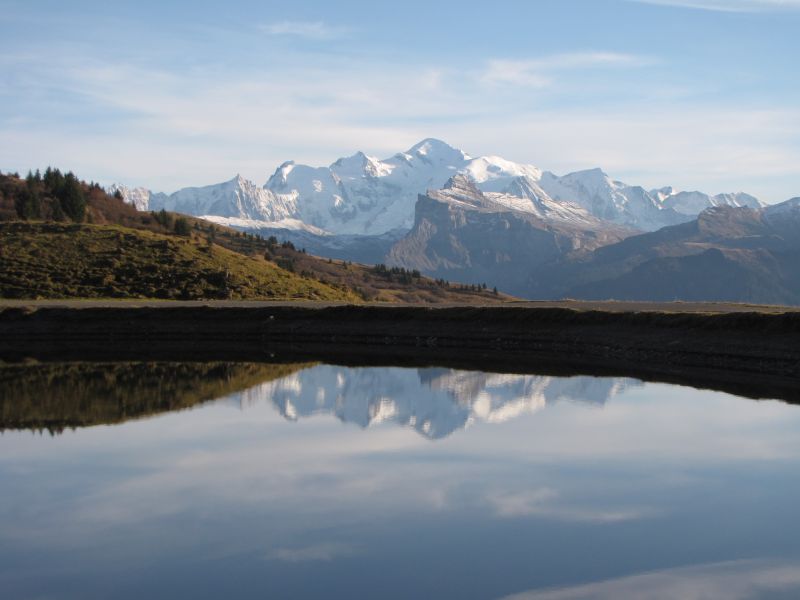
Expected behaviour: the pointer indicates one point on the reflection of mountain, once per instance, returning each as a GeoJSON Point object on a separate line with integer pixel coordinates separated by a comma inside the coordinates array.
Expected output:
{"type": "Point", "coordinates": [435, 402]}
{"type": "Point", "coordinates": [57, 396]}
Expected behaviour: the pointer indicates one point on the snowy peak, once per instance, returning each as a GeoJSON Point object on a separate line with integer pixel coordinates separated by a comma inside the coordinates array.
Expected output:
{"type": "Point", "coordinates": [594, 190]}
{"type": "Point", "coordinates": [280, 178]}
{"type": "Point", "coordinates": [433, 150]}
{"type": "Point", "coordinates": [360, 165]}
{"type": "Point", "coordinates": [363, 195]}
{"type": "Point", "coordinates": [236, 198]}
{"type": "Point", "coordinates": [139, 196]}
{"type": "Point", "coordinates": [463, 185]}
{"type": "Point", "coordinates": [789, 210]}
{"type": "Point", "coordinates": [526, 194]}
{"type": "Point", "coordinates": [693, 203]}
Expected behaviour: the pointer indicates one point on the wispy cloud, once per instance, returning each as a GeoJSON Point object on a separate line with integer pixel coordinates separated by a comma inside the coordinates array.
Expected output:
{"type": "Point", "coordinates": [313, 30]}
{"type": "Point", "coordinates": [538, 72]}
{"type": "Point", "coordinates": [729, 5]}
{"type": "Point", "coordinates": [200, 126]}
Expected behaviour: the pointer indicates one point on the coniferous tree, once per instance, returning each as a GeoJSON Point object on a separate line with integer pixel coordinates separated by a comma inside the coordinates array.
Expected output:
{"type": "Point", "coordinates": [72, 198]}
{"type": "Point", "coordinates": [27, 204]}
{"type": "Point", "coordinates": [182, 226]}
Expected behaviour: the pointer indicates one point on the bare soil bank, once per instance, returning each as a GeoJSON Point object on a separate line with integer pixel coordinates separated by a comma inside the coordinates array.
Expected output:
{"type": "Point", "coordinates": [754, 354]}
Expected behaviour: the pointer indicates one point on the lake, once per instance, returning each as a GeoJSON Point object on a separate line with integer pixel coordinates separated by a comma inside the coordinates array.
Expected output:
{"type": "Point", "coordinates": [307, 480]}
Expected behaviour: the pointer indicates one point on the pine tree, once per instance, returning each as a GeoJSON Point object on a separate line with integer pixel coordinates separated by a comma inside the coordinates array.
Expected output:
{"type": "Point", "coordinates": [72, 198]}
{"type": "Point", "coordinates": [27, 204]}
{"type": "Point", "coordinates": [182, 227]}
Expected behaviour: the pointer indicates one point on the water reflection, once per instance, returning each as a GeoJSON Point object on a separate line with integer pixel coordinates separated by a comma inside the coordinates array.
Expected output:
{"type": "Point", "coordinates": [735, 580]}
{"type": "Point", "coordinates": [55, 396]}
{"type": "Point", "coordinates": [665, 492]}
{"type": "Point", "coordinates": [435, 402]}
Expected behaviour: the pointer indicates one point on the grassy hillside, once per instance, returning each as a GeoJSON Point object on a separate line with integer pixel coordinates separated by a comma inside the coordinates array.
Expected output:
{"type": "Point", "coordinates": [60, 260]}
{"type": "Point", "coordinates": [115, 251]}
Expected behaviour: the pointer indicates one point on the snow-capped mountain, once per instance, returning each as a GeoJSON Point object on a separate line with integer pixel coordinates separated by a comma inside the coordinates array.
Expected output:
{"type": "Point", "coordinates": [463, 234]}
{"type": "Point", "coordinates": [435, 402]}
{"type": "Point", "coordinates": [237, 198]}
{"type": "Point", "coordinates": [611, 200]}
{"type": "Point", "coordinates": [790, 208]}
{"type": "Point", "coordinates": [139, 197]}
{"type": "Point", "coordinates": [693, 203]}
{"type": "Point", "coordinates": [363, 195]}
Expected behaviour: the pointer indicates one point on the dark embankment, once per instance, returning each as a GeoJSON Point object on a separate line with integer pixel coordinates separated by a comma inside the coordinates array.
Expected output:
{"type": "Point", "coordinates": [751, 354]}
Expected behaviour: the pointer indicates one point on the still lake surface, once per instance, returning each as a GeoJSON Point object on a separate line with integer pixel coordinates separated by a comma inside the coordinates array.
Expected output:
{"type": "Point", "coordinates": [320, 481]}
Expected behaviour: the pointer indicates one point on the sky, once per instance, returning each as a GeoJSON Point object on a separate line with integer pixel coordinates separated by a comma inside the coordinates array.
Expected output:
{"type": "Point", "coordinates": [698, 94]}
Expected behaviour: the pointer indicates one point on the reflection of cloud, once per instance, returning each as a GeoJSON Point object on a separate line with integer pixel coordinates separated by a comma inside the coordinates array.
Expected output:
{"type": "Point", "coordinates": [735, 580]}
{"type": "Point", "coordinates": [325, 551]}
{"type": "Point", "coordinates": [545, 502]}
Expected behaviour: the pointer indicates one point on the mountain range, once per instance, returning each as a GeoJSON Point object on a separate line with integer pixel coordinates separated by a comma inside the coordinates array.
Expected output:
{"type": "Point", "coordinates": [529, 232]}
{"type": "Point", "coordinates": [727, 253]}
{"type": "Point", "coordinates": [363, 195]}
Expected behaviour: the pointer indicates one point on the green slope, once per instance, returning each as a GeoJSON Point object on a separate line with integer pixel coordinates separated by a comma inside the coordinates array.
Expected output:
{"type": "Point", "coordinates": [57, 260]}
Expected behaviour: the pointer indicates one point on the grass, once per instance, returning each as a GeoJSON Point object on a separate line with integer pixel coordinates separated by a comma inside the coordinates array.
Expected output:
{"type": "Point", "coordinates": [123, 253]}
{"type": "Point", "coordinates": [58, 260]}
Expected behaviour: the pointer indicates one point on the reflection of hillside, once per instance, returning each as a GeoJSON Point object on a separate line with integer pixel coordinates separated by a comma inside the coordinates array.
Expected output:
{"type": "Point", "coordinates": [61, 395]}
{"type": "Point", "coordinates": [435, 402]}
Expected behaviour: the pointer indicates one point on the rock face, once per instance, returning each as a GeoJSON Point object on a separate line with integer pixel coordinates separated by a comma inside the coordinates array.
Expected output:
{"type": "Point", "coordinates": [464, 235]}
{"type": "Point", "coordinates": [726, 254]}
{"type": "Point", "coordinates": [363, 195]}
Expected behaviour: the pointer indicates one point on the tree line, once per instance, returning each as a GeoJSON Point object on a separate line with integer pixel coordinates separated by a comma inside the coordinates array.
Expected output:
{"type": "Point", "coordinates": [56, 195]}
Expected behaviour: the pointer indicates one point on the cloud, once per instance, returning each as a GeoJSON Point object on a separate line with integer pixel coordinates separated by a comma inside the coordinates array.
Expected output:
{"type": "Point", "coordinates": [201, 126]}
{"type": "Point", "coordinates": [536, 72]}
{"type": "Point", "coordinates": [313, 30]}
{"type": "Point", "coordinates": [729, 5]}
{"type": "Point", "coordinates": [734, 580]}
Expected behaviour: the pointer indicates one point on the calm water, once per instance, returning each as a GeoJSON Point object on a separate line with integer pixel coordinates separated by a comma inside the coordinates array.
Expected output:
{"type": "Point", "coordinates": [315, 481]}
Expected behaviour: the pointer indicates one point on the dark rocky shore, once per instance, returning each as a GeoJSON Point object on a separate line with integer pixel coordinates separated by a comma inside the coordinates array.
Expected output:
{"type": "Point", "coordinates": [750, 353]}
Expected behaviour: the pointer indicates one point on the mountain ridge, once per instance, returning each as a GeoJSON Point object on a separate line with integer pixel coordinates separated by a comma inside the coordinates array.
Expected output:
{"type": "Point", "coordinates": [364, 195]}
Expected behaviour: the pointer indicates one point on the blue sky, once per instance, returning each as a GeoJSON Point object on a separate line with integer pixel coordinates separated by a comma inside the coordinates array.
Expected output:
{"type": "Point", "coordinates": [699, 94]}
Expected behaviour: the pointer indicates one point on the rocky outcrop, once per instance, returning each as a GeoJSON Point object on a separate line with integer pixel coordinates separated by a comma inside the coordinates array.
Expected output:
{"type": "Point", "coordinates": [464, 235]}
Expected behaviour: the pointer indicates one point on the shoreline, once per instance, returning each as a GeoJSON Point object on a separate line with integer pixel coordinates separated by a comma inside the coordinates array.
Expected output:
{"type": "Point", "coordinates": [755, 354]}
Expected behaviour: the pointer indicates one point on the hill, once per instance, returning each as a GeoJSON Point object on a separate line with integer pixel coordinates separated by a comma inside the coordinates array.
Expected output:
{"type": "Point", "coordinates": [116, 251]}
{"type": "Point", "coordinates": [57, 260]}
{"type": "Point", "coordinates": [726, 254]}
